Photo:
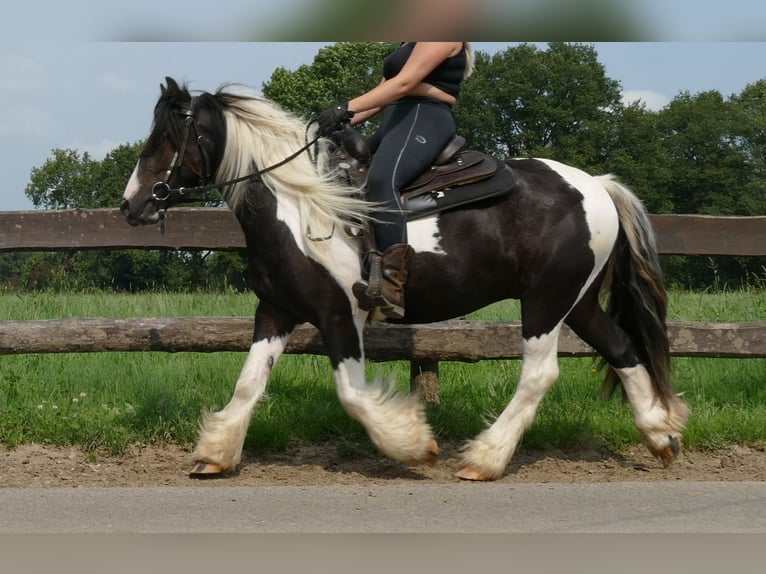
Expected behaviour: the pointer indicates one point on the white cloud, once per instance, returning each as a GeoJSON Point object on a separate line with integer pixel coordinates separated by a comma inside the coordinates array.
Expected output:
{"type": "Point", "coordinates": [21, 74]}
{"type": "Point", "coordinates": [19, 119]}
{"type": "Point", "coordinates": [653, 100]}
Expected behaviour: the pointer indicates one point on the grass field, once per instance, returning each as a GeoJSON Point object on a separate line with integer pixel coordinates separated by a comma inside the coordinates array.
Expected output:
{"type": "Point", "coordinates": [112, 400]}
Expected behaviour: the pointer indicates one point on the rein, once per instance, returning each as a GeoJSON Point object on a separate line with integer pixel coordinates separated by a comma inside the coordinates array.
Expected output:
{"type": "Point", "coordinates": [162, 193]}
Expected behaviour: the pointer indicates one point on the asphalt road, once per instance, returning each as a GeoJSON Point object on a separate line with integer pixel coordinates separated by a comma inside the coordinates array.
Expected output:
{"type": "Point", "coordinates": [661, 507]}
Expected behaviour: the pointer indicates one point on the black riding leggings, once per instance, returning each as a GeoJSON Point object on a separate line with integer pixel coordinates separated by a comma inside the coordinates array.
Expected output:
{"type": "Point", "coordinates": [411, 135]}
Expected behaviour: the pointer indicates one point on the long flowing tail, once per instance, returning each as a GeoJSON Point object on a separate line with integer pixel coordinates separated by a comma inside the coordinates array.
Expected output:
{"type": "Point", "coordinates": [634, 289]}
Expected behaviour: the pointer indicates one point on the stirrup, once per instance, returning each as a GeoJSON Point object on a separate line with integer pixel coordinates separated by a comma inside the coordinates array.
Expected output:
{"type": "Point", "coordinates": [370, 293]}
{"type": "Point", "coordinates": [374, 288]}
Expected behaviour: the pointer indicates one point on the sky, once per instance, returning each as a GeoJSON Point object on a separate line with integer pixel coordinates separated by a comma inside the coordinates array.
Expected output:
{"type": "Point", "coordinates": [65, 84]}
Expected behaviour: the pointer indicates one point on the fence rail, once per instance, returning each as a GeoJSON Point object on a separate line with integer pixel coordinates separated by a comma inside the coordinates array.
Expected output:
{"type": "Point", "coordinates": [462, 340]}
{"type": "Point", "coordinates": [216, 229]}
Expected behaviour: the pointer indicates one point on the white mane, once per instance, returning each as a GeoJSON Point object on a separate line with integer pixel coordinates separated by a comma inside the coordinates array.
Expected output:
{"type": "Point", "coordinates": [260, 134]}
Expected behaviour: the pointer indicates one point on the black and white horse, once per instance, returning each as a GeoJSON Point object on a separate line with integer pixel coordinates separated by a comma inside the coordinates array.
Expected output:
{"type": "Point", "coordinates": [556, 240]}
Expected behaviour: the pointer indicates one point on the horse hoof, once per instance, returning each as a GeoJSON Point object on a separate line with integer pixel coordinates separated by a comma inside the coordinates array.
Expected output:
{"type": "Point", "coordinates": [206, 470]}
{"type": "Point", "coordinates": [669, 454]}
{"type": "Point", "coordinates": [471, 473]}
{"type": "Point", "coordinates": [432, 452]}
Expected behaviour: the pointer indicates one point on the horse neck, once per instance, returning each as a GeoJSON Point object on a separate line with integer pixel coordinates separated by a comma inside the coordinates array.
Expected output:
{"type": "Point", "coordinates": [278, 238]}
{"type": "Point", "coordinates": [263, 219]}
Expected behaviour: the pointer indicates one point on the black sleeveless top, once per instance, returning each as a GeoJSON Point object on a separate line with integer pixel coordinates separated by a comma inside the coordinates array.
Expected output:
{"type": "Point", "coordinates": [446, 76]}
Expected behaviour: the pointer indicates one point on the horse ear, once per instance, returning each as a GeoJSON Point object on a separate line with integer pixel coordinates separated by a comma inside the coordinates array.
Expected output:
{"type": "Point", "coordinates": [172, 86]}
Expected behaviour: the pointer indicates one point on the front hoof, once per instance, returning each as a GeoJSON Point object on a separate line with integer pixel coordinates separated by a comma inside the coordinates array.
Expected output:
{"type": "Point", "coordinates": [432, 452]}
{"type": "Point", "coordinates": [471, 472]}
{"type": "Point", "coordinates": [430, 456]}
{"type": "Point", "coordinates": [206, 470]}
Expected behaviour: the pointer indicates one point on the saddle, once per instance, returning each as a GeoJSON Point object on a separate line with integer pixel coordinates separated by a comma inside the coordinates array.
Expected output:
{"type": "Point", "coordinates": [456, 178]}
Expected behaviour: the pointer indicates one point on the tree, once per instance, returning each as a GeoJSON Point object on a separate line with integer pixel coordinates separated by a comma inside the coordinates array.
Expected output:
{"type": "Point", "coordinates": [111, 175]}
{"type": "Point", "coordinates": [749, 113]}
{"type": "Point", "coordinates": [69, 180]}
{"type": "Point", "coordinates": [555, 103]}
{"type": "Point", "coordinates": [62, 182]}
{"type": "Point", "coordinates": [709, 169]}
{"type": "Point", "coordinates": [636, 155]}
{"type": "Point", "coordinates": [338, 73]}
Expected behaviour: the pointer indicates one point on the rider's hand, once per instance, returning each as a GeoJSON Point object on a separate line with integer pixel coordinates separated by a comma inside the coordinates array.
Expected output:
{"type": "Point", "coordinates": [333, 119]}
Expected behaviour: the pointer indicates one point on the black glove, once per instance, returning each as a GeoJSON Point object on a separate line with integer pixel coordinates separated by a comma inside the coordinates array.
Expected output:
{"type": "Point", "coordinates": [333, 119]}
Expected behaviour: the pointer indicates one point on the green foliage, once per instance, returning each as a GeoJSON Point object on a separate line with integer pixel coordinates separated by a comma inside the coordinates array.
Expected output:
{"type": "Point", "coordinates": [555, 103]}
{"type": "Point", "coordinates": [709, 171]}
{"type": "Point", "coordinates": [635, 153]}
{"type": "Point", "coordinates": [749, 114]}
{"type": "Point", "coordinates": [337, 74]}
{"type": "Point", "coordinates": [69, 180]}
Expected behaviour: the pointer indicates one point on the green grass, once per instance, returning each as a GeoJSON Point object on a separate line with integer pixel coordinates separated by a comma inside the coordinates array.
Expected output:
{"type": "Point", "coordinates": [111, 400]}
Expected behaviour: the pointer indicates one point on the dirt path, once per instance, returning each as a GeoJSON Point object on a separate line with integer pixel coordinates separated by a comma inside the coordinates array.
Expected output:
{"type": "Point", "coordinates": [35, 466]}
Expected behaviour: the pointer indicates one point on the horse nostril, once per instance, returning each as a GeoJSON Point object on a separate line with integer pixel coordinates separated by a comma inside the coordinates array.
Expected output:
{"type": "Point", "coordinates": [125, 210]}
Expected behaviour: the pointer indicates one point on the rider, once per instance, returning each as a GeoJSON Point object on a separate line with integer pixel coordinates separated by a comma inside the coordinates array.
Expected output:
{"type": "Point", "coordinates": [421, 81]}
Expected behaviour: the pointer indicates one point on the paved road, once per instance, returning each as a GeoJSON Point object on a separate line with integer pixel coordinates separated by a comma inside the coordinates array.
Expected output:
{"type": "Point", "coordinates": [663, 507]}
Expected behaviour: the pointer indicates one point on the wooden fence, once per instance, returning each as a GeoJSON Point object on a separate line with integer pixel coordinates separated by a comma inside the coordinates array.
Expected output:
{"type": "Point", "coordinates": [423, 345]}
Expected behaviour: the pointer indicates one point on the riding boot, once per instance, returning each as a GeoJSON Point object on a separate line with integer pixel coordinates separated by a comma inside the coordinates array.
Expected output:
{"type": "Point", "coordinates": [388, 274]}
{"type": "Point", "coordinates": [397, 260]}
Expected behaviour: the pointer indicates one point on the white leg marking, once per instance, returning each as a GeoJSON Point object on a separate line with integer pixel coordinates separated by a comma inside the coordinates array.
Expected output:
{"type": "Point", "coordinates": [651, 417]}
{"type": "Point", "coordinates": [133, 185]}
{"type": "Point", "coordinates": [395, 423]}
{"type": "Point", "coordinates": [490, 452]}
{"type": "Point", "coordinates": [223, 433]}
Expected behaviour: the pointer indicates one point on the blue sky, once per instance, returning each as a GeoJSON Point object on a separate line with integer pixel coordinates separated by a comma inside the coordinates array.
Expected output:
{"type": "Point", "coordinates": [92, 96]}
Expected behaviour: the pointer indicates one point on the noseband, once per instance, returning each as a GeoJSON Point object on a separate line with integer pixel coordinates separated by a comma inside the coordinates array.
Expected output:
{"type": "Point", "coordinates": [163, 195]}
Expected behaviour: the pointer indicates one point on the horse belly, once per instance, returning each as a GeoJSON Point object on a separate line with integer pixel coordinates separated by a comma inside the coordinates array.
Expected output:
{"type": "Point", "coordinates": [450, 277]}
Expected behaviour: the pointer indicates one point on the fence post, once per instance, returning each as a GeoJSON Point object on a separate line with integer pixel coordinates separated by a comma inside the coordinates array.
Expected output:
{"type": "Point", "coordinates": [424, 380]}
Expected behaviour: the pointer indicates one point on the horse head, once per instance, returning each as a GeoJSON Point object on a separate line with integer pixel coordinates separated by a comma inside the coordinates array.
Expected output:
{"type": "Point", "coordinates": [183, 150]}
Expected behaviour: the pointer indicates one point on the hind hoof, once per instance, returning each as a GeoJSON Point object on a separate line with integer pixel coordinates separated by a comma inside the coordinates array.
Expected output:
{"type": "Point", "coordinates": [206, 470]}
{"type": "Point", "coordinates": [471, 472]}
{"type": "Point", "coordinates": [669, 454]}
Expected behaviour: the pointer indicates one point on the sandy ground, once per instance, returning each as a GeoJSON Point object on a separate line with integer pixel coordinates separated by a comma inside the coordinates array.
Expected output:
{"type": "Point", "coordinates": [38, 466]}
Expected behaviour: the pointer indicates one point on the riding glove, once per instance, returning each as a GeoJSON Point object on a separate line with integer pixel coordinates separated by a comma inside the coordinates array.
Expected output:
{"type": "Point", "coordinates": [333, 119]}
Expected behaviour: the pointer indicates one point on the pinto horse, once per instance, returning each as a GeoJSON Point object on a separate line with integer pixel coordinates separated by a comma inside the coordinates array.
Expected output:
{"type": "Point", "coordinates": [558, 240]}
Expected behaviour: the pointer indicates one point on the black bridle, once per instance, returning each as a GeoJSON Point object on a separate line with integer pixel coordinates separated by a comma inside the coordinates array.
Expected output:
{"type": "Point", "coordinates": [163, 195]}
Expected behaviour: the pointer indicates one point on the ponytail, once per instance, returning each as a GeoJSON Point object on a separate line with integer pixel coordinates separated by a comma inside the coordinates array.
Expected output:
{"type": "Point", "coordinates": [469, 60]}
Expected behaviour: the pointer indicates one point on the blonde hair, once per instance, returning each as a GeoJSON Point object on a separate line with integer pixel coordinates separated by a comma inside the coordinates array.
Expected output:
{"type": "Point", "coordinates": [469, 60]}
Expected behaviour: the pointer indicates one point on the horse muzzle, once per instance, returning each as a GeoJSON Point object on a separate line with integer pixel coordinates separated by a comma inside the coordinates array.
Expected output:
{"type": "Point", "coordinates": [147, 214]}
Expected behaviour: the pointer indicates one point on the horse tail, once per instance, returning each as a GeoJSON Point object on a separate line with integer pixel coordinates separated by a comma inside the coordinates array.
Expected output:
{"type": "Point", "coordinates": [634, 290]}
